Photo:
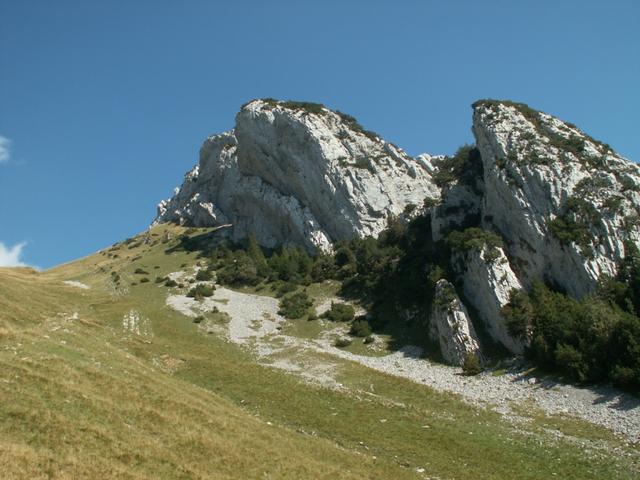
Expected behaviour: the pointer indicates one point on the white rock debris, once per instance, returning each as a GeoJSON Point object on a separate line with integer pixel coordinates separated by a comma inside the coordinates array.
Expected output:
{"type": "Point", "coordinates": [76, 284]}
{"type": "Point", "coordinates": [255, 325]}
{"type": "Point", "coordinates": [133, 323]}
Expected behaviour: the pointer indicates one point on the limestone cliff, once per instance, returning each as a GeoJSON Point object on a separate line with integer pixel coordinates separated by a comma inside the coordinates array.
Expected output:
{"type": "Point", "coordinates": [564, 202]}
{"type": "Point", "coordinates": [559, 205]}
{"type": "Point", "coordinates": [296, 173]}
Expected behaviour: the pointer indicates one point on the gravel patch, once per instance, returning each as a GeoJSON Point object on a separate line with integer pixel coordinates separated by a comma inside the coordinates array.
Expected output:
{"type": "Point", "coordinates": [255, 323]}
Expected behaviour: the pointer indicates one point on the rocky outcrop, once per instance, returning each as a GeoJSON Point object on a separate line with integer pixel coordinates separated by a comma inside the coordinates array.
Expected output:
{"type": "Point", "coordinates": [557, 205]}
{"type": "Point", "coordinates": [488, 281]}
{"type": "Point", "coordinates": [564, 202]}
{"type": "Point", "coordinates": [295, 173]}
{"type": "Point", "coordinates": [451, 326]}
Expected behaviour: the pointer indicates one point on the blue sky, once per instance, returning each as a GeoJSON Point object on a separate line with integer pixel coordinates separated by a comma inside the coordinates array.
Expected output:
{"type": "Point", "coordinates": [104, 105]}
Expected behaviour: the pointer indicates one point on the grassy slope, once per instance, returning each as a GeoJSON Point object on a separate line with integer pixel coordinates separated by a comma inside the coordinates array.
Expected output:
{"type": "Point", "coordinates": [87, 398]}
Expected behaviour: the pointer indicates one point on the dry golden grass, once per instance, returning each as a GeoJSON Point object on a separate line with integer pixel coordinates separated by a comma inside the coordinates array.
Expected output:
{"type": "Point", "coordinates": [75, 404]}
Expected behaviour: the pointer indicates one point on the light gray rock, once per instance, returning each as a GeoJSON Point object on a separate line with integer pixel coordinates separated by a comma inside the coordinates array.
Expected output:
{"type": "Point", "coordinates": [488, 281]}
{"type": "Point", "coordinates": [538, 168]}
{"type": "Point", "coordinates": [295, 176]}
{"type": "Point", "coordinates": [451, 326]}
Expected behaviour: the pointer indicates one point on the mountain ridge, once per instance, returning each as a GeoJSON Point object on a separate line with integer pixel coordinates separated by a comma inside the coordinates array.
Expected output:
{"type": "Point", "coordinates": [563, 207]}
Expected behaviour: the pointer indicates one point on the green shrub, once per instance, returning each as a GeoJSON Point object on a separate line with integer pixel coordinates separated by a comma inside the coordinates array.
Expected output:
{"type": "Point", "coordinates": [170, 283]}
{"type": "Point", "coordinates": [364, 163]}
{"type": "Point", "coordinates": [160, 279]}
{"type": "Point", "coordinates": [355, 126]}
{"type": "Point", "coordinates": [310, 107]}
{"type": "Point", "coordinates": [574, 224]}
{"type": "Point", "coordinates": [204, 275]}
{"type": "Point", "coordinates": [295, 305]}
{"type": "Point", "coordinates": [475, 239]}
{"type": "Point", "coordinates": [342, 342]}
{"type": "Point", "coordinates": [282, 288]}
{"type": "Point", "coordinates": [518, 314]}
{"type": "Point", "coordinates": [368, 340]}
{"type": "Point", "coordinates": [464, 166]}
{"type": "Point", "coordinates": [360, 328]}
{"type": "Point", "coordinates": [198, 319]}
{"type": "Point", "coordinates": [340, 312]}
{"type": "Point", "coordinates": [200, 291]}
{"type": "Point", "coordinates": [144, 280]}
{"type": "Point", "coordinates": [471, 365]}
{"type": "Point", "coordinates": [241, 270]}
{"type": "Point", "coordinates": [570, 361]}
{"type": "Point", "coordinates": [140, 271]}
{"type": "Point", "coordinates": [588, 340]}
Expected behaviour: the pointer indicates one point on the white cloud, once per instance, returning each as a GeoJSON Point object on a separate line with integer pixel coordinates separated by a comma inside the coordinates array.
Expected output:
{"type": "Point", "coordinates": [4, 149]}
{"type": "Point", "coordinates": [10, 256]}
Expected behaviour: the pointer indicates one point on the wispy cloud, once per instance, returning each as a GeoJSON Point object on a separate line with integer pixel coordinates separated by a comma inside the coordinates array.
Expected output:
{"type": "Point", "coordinates": [5, 153]}
{"type": "Point", "coordinates": [10, 256]}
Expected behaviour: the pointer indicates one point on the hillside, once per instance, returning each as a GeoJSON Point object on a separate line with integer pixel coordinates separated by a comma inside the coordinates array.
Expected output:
{"type": "Point", "coordinates": [109, 381]}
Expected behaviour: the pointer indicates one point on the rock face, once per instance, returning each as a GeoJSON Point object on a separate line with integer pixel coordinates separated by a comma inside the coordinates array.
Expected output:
{"type": "Point", "coordinates": [564, 202]}
{"type": "Point", "coordinates": [560, 205]}
{"type": "Point", "coordinates": [488, 280]}
{"type": "Point", "coordinates": [451, 325]}
{"type": "Point", "coordinates": [300, 174]}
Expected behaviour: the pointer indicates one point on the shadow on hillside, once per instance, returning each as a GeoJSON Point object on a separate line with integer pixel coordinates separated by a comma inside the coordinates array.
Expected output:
{"type": "Point", "coordinates": [202, 242]}
{"type": "Point", "coordinates": [603, 394]}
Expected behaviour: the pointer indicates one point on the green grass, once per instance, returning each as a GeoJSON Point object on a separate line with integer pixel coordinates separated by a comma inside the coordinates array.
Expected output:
{"type": "Point", "coordinates": [87, 399]}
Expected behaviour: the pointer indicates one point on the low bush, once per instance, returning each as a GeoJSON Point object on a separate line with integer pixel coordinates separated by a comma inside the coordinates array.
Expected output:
{"type": "Point", "coordinates": [140, 271]}
{"type": "Point", "coordinates": [295, 305]}
{"type": "Point", "coordinates": [204, 275]}
{"type": "Point", "coordinates": [471, 365]}
{"type": "Point", "coordinates": [170, 283]}
{"type": "Point", "coordinates": [200, 291]}
{"type": "Point", "coordinates": [340, 312]}
{"type": "Point", "coordinates": [282, 288]}
{"type": "Point", "coordinates": [475, 239]}
{"type": "Point", "coordinates": [144, 280]}
{"type": "Point", "coordinates": [343, 342]}
{"type": "Point", "coordinates": [360, 328]}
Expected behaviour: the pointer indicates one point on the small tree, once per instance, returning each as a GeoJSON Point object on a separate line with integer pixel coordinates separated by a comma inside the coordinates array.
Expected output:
{"type": "Point", "coordinates": [360, 328]}
{"type": "Point", "coordinates": [200, 291]}
{"type": "Point", "coordinates": [471, 365]}
{"type": "Point", "coordinates": [340, 312]}
{"type": "Point", "coordinates": [295, 305]}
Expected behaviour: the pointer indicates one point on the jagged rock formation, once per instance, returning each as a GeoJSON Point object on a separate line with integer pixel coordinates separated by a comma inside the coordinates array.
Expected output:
{"type": "Point", "coordinates": [488, 280]}
{"type": "Point", "coordinates": [564, 202]}
{"type": "Point", "coordinates": [451, 325]}
{"type": "Point", "coordinates": [552, 203]}
{"type": "Point", "coordinates": [296, 173]}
